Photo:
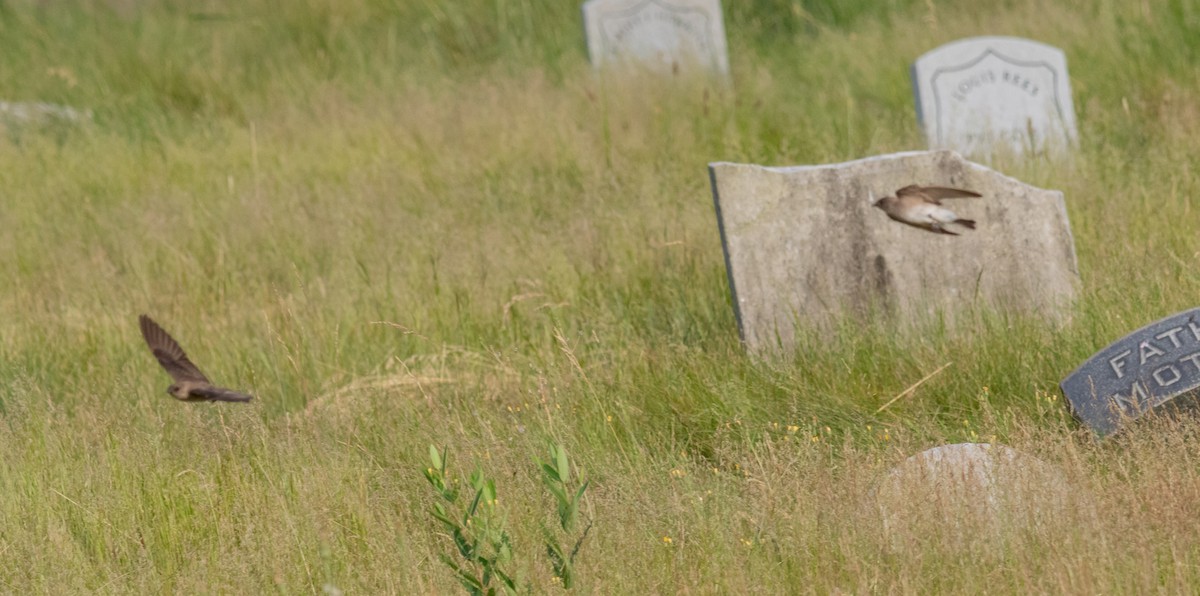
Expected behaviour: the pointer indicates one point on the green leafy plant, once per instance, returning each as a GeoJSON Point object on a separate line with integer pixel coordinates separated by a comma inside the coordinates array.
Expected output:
{"type": "Point", "coordinates": [478, 532]}
{"type": "Point", "coordinates": [556, 475]}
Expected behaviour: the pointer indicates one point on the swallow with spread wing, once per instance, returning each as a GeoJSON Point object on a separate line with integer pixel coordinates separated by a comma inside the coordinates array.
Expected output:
{"type": "Point", "coordinates": [190, 384]}
{"type": "Point", "coordinates": [921, 207]}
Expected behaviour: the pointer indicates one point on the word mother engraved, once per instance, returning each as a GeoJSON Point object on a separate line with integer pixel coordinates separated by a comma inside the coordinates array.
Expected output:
{"type": "Point", "coordinates": [1156, 364]}
{"type": "Point", "coordinates": [661, 34]}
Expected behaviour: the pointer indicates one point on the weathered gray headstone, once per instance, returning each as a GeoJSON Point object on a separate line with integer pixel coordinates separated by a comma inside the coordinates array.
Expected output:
{"type": "Point", "coordinates": [663, 34]}
{"type": "Point", "coordinates": [1155, 365]}
{"type": "Point", "coordinates": [26, 112]}
{"type": "Point", "coordinates": [804, 245]}
{"type": "Point", "coordinates": [970, 491]}
{"type": "Point", "coordinates": [977, 94]}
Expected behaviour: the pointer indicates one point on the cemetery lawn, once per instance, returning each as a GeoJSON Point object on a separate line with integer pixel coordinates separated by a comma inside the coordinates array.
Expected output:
{"type": "Point", "coordinates": [400, 224]}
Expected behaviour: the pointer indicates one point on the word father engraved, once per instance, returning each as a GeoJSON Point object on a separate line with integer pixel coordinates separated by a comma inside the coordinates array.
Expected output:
{"type": "Point", "coordinates": [1168, 368]}
{"type": "Point", "coordinates": [1141, 371]}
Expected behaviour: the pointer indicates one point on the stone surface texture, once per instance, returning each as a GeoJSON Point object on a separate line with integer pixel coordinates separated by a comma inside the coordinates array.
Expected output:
{"type": "Point", "coordinates": [1153, 366]}
{"type": "Point", "coordinates": [982, 93]}
{"type": "Point", "coordinates": [668, 35]}
{"type": "Point", "coordinates": [972, 492]}
{"type": "Point", "coordinates": [803, 245]}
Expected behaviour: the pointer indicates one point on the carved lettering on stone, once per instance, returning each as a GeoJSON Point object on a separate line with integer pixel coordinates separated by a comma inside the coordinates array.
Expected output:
{"type": "Point", "coordinates": [982, 93]}
{"type": "Point", "coordinates": [665, 35]}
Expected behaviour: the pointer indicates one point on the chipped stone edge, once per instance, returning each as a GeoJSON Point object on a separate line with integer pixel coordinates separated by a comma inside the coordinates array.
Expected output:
{"type": "Point", "coordinates": [1057, 195]}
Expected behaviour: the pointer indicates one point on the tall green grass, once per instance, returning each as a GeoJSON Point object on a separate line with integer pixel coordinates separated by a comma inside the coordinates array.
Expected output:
{"type": "Point", "coordinates": [403, 223]}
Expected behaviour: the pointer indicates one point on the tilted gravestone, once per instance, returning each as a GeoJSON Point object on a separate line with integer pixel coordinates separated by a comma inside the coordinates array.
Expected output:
{"type": "Point", "coordinates": [662, 34]}
{"type": "Point", "coordinates": [803, 245]}
{"type": "Point", "coordinates": [977, 94]}
{"type": "Point", "coordinates": [1156, 365]}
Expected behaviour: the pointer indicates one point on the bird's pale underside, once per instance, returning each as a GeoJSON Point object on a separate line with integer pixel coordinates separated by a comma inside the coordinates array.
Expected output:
{"type": "Point", "coordinates": [190, 384]}
{"type": "Point", "coordinates": [921, 207]}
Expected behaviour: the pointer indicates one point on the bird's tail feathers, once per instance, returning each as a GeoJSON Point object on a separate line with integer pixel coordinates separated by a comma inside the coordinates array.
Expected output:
{"type": "Point", "coordinates": [969, 223]}
{"type": "Point", "coordinates": [221, 394]}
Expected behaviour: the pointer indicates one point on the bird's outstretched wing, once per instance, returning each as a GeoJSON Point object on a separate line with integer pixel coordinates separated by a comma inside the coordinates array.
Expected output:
{"type": "Point", "coordinates": [169, 354]}
{"type": "Point", "coordinates": [937, 193]}
{"type": "Point", "coordinates": [220, 394]}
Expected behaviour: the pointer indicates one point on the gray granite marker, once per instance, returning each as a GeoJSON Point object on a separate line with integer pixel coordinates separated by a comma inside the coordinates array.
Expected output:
{"type": "Point", "coordinates": [663, 34]}
{"type": "Point", "coordinates": [803, 245]}
{"type": "Point", "coordinates": [1153, 366]}
{"type": "Point", "coordinates": [980, 93]}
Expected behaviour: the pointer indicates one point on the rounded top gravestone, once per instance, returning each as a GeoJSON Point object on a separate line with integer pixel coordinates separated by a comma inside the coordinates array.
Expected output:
{"type": "Point", "coordinates": [969, 491]}
{"type": "Point", "coordinates": [981, 93]}
{"type": "Point", "coordinates": [662, 34]}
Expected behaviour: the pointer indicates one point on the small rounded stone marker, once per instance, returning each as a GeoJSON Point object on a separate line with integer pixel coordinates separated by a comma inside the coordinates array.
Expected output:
{"type": "Point", "coordinates": [968, 493]}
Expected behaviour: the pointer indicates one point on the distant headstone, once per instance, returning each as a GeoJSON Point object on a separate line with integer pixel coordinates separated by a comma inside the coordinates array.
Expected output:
{"type": "Point", "coordinates": [662, 34]}
{"type": "Point", "coordinates": [970, 492]}
{"type": "Point", "coordinates": [1155, 365]}
{"type": "Point", "coordinates": [25, 112]}
{"type": "Point", "coordinates": [804, 245]}
{"type": "Point", "coordinates": [974, 95]}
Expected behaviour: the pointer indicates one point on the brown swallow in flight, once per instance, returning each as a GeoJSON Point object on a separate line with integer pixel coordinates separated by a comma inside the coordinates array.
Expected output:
{"type": "Point", "coordinates": [921, 206]}
{"type": "Point", "coordinates": [190, 384]}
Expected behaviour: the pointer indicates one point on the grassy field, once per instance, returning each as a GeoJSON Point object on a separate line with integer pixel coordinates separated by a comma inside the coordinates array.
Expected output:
{"type": "Point", "coordinates": [414, 222]}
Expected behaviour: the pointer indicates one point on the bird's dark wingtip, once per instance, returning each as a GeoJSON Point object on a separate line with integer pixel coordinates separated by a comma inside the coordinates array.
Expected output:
{"type": "Point", "coordinates": [969, 223]}
{"type": "Point", "coordinates": [145, 322]}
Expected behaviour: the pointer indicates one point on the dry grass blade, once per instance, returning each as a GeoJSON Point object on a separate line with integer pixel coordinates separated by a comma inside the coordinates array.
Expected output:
{"type": "Point", "coordinates": [912, 387]}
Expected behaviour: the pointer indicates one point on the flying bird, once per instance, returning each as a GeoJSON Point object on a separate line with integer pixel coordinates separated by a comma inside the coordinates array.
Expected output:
{"type": "Point", "coordinates": [921, 207]}
{"type": "Point", "coordinates": [190, 384]}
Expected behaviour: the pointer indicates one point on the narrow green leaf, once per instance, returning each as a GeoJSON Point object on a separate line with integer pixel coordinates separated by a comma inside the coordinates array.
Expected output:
{"type": "Point", "coordinates": [434, 457]}
{"type": "Point", "coordinates": [449, 562]}
{"type": "Point", "coordinates": [470, 581]}
{"type": "Point", "coordinates": [551, 473]}
{"type": "Point", "coordinates": [572, 514]}
{"type": "Point", "coordinates": [509, 585]}
{"type": "Point", "coordinates": [489, 491]}
{"type": "Point", "coordinates": [466, 548]}
{"type": "Point", "coordinates": [559, 494]}
{"type": "Point", "coordinates": [474, 505]}
{"type": "Point", "coordinates": [445, 519]}
{"type": "Point", "coordinates": [579, 543]}
{"type": "Point", "coordinates": [564, 469]}
{"type": "Point", "coordinates": [554, 551]}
